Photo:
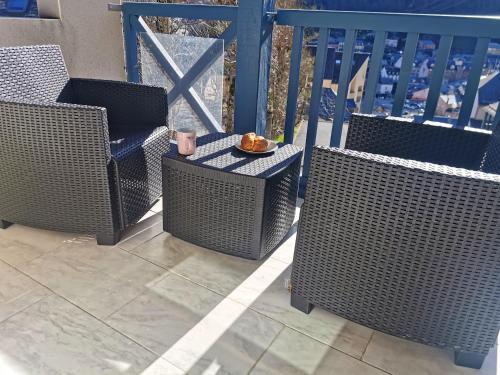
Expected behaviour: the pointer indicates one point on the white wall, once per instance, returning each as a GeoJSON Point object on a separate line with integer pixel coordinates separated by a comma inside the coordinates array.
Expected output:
{"type": "Point", "coordinates": [90, 36]}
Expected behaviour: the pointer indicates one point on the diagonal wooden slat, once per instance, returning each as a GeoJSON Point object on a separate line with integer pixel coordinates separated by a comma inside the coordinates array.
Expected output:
{"type": "Point", "coordinates": [293, 84]}
{"type": "Point", "coordinates": [404, 73]}
{"type": "Point", "coordinates": [204, 63]}
{"type": "Point", "coordinates": [437, 76]}
{"type": "Point", "coordinates": [317, 88]}
{"type": "Point", "coordinates": [374, 71]}
{"type": "Point", "coordinates": [343, 88]}
{"type": "Point", "coordinates": [176, 75]}
{"type": "Point", "coordinates": [473, 81]}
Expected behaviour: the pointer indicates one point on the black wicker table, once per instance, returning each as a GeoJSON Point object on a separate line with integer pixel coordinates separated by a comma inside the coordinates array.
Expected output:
{"type": "Point", "coordinates": [226, 200]}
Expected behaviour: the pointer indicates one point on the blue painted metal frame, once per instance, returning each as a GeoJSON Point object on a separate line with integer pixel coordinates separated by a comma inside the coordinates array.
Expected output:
{"type": "Point", "coordinates": [443, 53]}
{"type": "Point", "coordinates": [293, 84]}
{"type": "Point", "coordinates": [187, 11]}
{"type": "Point", "coordinates": [182, 84]}
{"type": "Point", "coordinates": [475, 26]}
{"type": "Point", "coordinates": [374, 71]}
{"type": "Point", "coordinates": [252, 65]}
{"type": "Point", "coordinates": [134, 24]}
{"type": "Point", "coordinates": [317, 87]}
{"type": "Point", "coordinates": [473, 81]}
{"type": "Point", "coordinates": [255, 25]}
{"type": "Point", "coordinates": [343, 87]}
{"type": "Point", "coordinates": [252, 21]}
{"type": "Point", "coordinates": [404, 73]}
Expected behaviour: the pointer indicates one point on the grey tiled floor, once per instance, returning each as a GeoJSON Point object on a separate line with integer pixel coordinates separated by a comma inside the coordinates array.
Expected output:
{"type": "Point", "coordinates": [154, 304]}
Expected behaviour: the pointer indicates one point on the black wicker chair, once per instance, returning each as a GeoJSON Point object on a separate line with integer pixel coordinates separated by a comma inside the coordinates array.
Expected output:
{"type": "Point", "coordinates": [400, 232]}
{"type": "Point", "coordinates": [78, 155]}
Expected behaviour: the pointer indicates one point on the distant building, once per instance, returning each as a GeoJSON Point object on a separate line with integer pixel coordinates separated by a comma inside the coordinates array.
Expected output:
{"type": "Point", "coordinates": [446, 106]}
{"type": "Point", "coordinates": [398, 62]}
{"type": "Point", "coordinates": [388, 77]}
{"type": "Point", "coordinates": [427, 45]}
{"type": "Point", "coordinates": [423, 70]}
{"type": "Point", "coordinates": [385, 88]}
{"type": "Point", "coordinates": [392, 43]}
{"type": "Point", "coordinates": [456, 70]}
{"type": "Point", "coordinates": [494, 49]}
{"type": "Point", "coordinates": [487, 98]}
{"type": "Point", "coordinates": [358, 74]}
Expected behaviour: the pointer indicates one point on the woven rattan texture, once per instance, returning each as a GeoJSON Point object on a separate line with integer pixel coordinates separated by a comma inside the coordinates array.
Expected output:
{"type": "Point", "coordinates": [433, 143]}
{"type": "Point", "coordinates": [208, 202]}
{"type": "Point", "coordinates": [33, 73]}
{"type": "Point", "coordinates": [217, 151]}
{"type": "Point", "coordinates": [57, 170]}
{"type": "Point", "coordinates": [491, 162]}
{"type": "Point", "coordinates": [407, 248]}
{"type": "Point", "coordinates": [129, 106]}
{"type": "Point", "coordinates": [48, 178]}
{"type": "Point", "coordinates": [280, 204]}
{"type": "Point", "coordinates": [138, 160]}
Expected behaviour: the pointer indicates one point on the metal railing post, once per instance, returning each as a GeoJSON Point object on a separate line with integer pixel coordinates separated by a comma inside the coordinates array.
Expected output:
{"type": "Point", "coordinates": [255, 26]}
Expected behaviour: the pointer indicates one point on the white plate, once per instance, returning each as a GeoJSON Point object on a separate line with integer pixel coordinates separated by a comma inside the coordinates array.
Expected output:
{"type": "Point", "coordinates": [271, 147]}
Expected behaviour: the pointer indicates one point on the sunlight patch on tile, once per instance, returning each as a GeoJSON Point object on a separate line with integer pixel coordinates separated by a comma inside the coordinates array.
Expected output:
{"type": "Point", "coordinates": [187, 351]}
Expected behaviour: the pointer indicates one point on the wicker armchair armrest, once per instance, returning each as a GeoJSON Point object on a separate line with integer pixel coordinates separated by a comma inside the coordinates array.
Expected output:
{"type": "Point", "coordinates": [55, 160]}
{"type": "Point", "coordinates": [404, 247]}
{"type": "Point", "coordinates": [413, 164]}
{"type": "Point", "coordinates": [129, 105]}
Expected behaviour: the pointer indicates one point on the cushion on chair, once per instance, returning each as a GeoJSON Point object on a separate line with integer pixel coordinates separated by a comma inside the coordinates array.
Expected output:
{"type": "Point", "coordinates": [137, 159]}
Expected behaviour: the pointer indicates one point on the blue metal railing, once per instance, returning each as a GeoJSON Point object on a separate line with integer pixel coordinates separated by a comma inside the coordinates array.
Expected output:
{"type": "Point", "coordinates": [252, 25]}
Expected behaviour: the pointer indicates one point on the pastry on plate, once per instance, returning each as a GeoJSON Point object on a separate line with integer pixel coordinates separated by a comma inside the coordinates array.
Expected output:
{"type": "Point", "coordinates": [247, 142]}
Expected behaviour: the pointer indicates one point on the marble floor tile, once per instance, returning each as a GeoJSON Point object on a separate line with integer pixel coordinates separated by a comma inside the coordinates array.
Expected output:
{"type": "Point", "coordinates": [403, 357]}
{"type": "Point", "coordinates": [266, 291]}
{"type": "Point", "coordinates": [164, 313]}
{"type": "Point", "coordinates": [20, 244]}
{"type": "Point", "coordinates": [293, 353]}
{"type": "Point", "coordinates": [17, 291]}
{"type": "Point", "coordinates": [54, 337]}
{"type": "Point", "coordinates": [142, 232]}
{"type": "Point", "coordinates": [98, 279]}
{"type": "Point", "coordinates": [196, 329]}
{"type": "Point", "coordinates": [219, 272]}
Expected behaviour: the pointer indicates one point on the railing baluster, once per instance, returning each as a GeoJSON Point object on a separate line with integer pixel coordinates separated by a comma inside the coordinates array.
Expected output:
{"type": "Point", "coordinates": [404, 73]}
{"type": "Point", "coordinates": [437, 76]}
{"type": "Point", "coordinates": [293, 84]}
{"type": "Point", "coordinates": [317, 87]}
{"type": "Point", "coordinates": [343, 88]}
{"type": "Point", "coordinates": [130, 36]}
{"type": "Point", "coordinates": [473, 81]}
{"type": "Point", "coordinates": [374, 71]}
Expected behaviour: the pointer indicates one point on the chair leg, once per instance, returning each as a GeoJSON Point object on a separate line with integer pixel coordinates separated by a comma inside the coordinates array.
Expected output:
{"type": "Point", "coordinates": [469, 359]}
{"type": "Point", "coordinates": [301, 304]}
{"type": "Point", "coordinates": [108, 239]}
{"type": "Point", "coordinates": [4, 224]}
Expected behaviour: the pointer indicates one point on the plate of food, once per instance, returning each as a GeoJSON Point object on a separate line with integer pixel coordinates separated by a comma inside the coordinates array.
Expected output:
{"type": "Point", "coordinates": [256, 144]}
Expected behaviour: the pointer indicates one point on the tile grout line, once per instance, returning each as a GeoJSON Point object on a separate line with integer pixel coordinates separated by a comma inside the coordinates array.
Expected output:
{"type": "Point", "coordinates": [263, 314]}
{"type": "Point", "coordinates": [368, 343]}
{"type": "Point", "coordinates": [265, 351]}
{"type": "Point", "coordinates": [195, 283]}
{"type": "Point", "coordinates": [79, 308]}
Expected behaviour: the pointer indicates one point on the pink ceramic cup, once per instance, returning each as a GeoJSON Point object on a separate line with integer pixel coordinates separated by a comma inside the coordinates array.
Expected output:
{"type": "Point", "coordinates": [186, 141]}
